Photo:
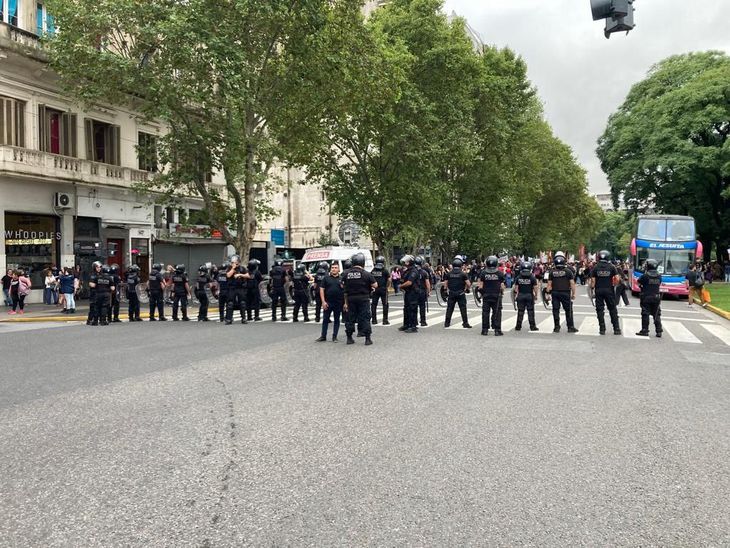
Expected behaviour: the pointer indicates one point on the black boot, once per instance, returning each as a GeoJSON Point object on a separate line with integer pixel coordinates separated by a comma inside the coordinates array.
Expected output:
{"type": "Point", "coordinates": [350, 340]}
{"type": "Point", "coordinates": [368, 340]}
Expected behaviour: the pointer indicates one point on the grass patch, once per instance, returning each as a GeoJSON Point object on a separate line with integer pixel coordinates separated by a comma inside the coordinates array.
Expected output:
{"type": "Point", "coordinates": [720, 293]}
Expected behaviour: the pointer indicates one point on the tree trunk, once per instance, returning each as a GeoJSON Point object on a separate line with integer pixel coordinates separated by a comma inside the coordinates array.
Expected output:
{"type": "Point", "coordinates": [249, 210]}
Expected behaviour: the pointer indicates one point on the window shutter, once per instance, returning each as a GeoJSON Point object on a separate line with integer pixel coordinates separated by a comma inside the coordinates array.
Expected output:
{"type": "Point", "coordinates": [20, 114]}
{"type": "Point", "coordinates": [71, 143]}
{"type": "Point", "coordinates": [44, 133]}
{"type": "Point", "coordinates": [115, 145]}
{"type": "Point", "coordinates": [89, 137]}
{"type": "Point", "coordinates": [2, 119]}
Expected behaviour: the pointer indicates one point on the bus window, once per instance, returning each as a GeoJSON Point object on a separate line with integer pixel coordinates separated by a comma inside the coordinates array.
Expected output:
{"type": "Point", "coordinates": [680, 231]}
{"type": "Point", "coordinates": [678, 262]}
{"type": "Point", "coordinates": [654, 230]}
{"type": "Point", "coordinates": [643, 253]}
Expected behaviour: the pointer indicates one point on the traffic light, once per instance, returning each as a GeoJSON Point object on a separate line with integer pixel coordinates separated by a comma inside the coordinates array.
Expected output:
{"type": "Point", "coordinates": [619, 15]}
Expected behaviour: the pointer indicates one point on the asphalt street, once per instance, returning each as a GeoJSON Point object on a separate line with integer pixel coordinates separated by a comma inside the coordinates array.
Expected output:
{"type": "Point", "coordinates": [200, 434]}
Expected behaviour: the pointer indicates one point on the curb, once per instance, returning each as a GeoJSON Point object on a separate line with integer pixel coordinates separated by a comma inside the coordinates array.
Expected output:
{"type": "Point", "coordinates": [66, 318]}
{"type": "Point", "coordinates": [719, 311]}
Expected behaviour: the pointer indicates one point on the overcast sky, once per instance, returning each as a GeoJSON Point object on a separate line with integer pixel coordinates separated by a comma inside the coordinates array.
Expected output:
{"type": "Point", "coordinates": [581, 77]}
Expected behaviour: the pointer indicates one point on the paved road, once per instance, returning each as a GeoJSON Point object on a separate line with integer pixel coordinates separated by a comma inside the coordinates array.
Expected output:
{"type": "Point", "coordinates": [205, 435]}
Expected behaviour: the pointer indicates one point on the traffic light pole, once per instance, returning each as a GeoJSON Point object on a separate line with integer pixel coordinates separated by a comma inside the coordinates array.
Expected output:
{"type": "Point", "coordinates": [618, 14]}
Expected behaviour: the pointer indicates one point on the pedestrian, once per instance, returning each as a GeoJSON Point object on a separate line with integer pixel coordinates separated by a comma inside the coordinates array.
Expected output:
{"type": "Point", "coordinates": [695, 283]}
{"type": "Point", "coordinates": [49, 291]}
{"type": "Point", "coordinates": [68, 289]}
{"type": "Point", "coordinates": [604, 278]}
{"type": "Point", "coordinates": [201, 283]}
{"type": "Point", "coordinates": [456, 287]}
{"type": "Point", "coordinates": [424, 289]}
{"type": "Point", "coordinates": [20, 287]}
{"type": "Point", "coordinates": [156, 288]}
{"type": "Point", "coordinates": [651, 298]}
{"type": "Point", "coordinates": [131, 280]}
{"type": "Point", "coordinates": [358, 284]}
{"type": "Point", "coordinates": [104, 286]}
{"type": "Point", "coordinates": [93, 317]}
{"type": "Point", "coordinates": [181, 293]}
{"type": "Point", "coordinates": [323, 269]}
{"type": "Point", "coordinates": [526, 288]}
{"type": "Point", "coordinates": [727, 272]}
{"type": "Point", "coordinates": [380, 295]}
{"type": "Point", "coordinates": [410, 284]}
{"type": "Point", "coordinates": [6, 287]}
{"type": "Point", "coordinates": [278, 281]}
{"type": "Point", "coordinates": [113, 315]}
{"type": "Point", "coordinates": [332, 295]}
{"type": "Point", "coordinates": [561, 286]}
{"type": "Point", "coordinates": [253, 294]}
{"type": "Point", "coordinates": [237, 275]}
{"type": "Point", "coordinates": [492, 286]}
{"type": "Point", "coordinates": [395, 277]}
{"type": "Point", "coordinates": [300, 282]}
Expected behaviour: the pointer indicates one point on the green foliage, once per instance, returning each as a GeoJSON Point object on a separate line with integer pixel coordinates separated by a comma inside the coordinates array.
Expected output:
{"type": "Point", "coordinates": [666, 149]}
{"type": "Point", "coordinates": [614, 234]}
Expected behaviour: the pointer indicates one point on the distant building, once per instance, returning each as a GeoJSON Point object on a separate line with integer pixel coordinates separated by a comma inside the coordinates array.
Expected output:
{"type": "Point", "coordinates": [605, 202]}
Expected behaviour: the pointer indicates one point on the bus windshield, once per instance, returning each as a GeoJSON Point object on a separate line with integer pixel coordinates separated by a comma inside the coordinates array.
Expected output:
{"type": "Point", "coordinates": [654, 230]}
{"type": "Point", "coordinates": [677, 263]}
{"type": "Point", "coordinates": [643, 254]}
{"type": "Point", "coordinates": [663, 230]}
{"type": "Point", "coordinates": [680, 231]}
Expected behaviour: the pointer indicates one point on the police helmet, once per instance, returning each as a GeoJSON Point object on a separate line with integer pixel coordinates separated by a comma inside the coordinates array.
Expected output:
{"type": "Point", "coordinates": [105, 269]}
{"type": "Point", "coordinates": [134, 268]}
{"type": "Point", "coordinates": [604, 256]}
{"type": "Point", "coordinates": [301, 267]}
{"type": "Point", "coordinates": [225, 266]}
{"type": "Point", "coordinates": [492, 261]}
{"type": "Point", "coordinates": [457, 262]}
{"type": "Point", "coordinates": [180, 268]}
{"type": "Point", "coordinates": [278, 262]}
{"type": "Point", "coordinates": [157, 266]}
{"type": "Point", "coordinates": [324, 265]}
{"type": "Point", "coordinates": [234, 259]}
{"type": "Point", "coordinates": [559, 254]}
{"type": "Point", "coordinates": [114, 268]}
{"type": "Point", "coordinates": [358, 259]}
{"type": "Point", "coordinates": [651, 264]}
{"type": "Point", "coordinates": [347, 264]}
{"type": "Point", "coordinates": [96, 264]}
{"type": "Point", "coordinates": [379, 259]}
{"type": "Point", "coordinates": [527, 266]}
{"type": "Point", "coordinates": [419, 260]}
{"type": "Point", "coordinates": [559, 260]}
{"type": "Point", "coordinates": [202, 269]}
{"type": "Point", "coordinates": [406, 260]}
{"type": "Point", "coordinates": [253, 264]}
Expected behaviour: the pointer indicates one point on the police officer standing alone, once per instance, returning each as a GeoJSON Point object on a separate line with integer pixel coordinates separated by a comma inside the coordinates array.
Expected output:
{"type": "Point", "coordinates": [278, 290]}
{"type": "Point", "coordinates": [201, 283]}
{"type": "Point", "coordinates": [526, 288]}
{"type": "Point", "coordinates": [457, 285]}
{"type": "Point", "coordinates": [181, 293]}
{"type": "Point", "coordinates": [322, 270]}
{"type": "Point", "coordinates": [382, 278]}
{"type": "Point", "coordinates": [410, 284]}
{"type": "Point", "coordinates": [358, 283]}
{"type": "Point", "coordinates": [253, 297]}
{"type": "Point", "coordinates": [561, 286]}
{"type": "Point", "coordinates": [300, 281]}
{"type": "Point", "coordinates": [651, 298]}
{"type": "Point", "coordinates": [156, 288]}
{"type": "Point", "coordinates": [492, 285]}
{"type": "Point", "coordinates": [132, 279]}
{"type": "Point", "coordinates": [333, 299]}
{"type": "Point", "coordinates": [237, 276]}
{"type": "Point", "coordinates": [604, 278]}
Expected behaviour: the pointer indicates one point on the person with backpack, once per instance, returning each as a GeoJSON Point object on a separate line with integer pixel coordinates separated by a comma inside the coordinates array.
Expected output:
{"type": "Point", "coordinates": [695, 283]}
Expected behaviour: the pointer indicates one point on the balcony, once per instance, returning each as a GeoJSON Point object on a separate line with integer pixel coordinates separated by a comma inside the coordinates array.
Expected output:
{"type": "Point", "coordinates": [46, 166]}
{"type": "Point", "coordinates": [22, 42]}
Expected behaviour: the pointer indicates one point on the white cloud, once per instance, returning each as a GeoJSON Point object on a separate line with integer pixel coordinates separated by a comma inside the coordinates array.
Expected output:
{"type": "Point", "coordinates": [582, 77]}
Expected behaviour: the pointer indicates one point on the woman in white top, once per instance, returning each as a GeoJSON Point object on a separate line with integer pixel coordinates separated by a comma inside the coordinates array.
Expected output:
{"type": "Point", "coordinates": [49, 292]}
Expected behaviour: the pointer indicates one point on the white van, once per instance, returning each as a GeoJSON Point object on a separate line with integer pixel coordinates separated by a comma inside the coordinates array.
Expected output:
{"type": "Point", "coordinates": [334, 254]}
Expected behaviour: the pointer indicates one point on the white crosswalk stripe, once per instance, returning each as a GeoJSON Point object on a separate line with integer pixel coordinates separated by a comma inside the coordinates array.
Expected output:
{"type": "Point", "coordinates": [631, 326]}
{"type": "Point", "coordinates": [545, 326]}
{"type": "Point", "coordinates": [589, 327]}
{"type": "Point", "coordinates": [680, 333]}
{"type": "Point", "coordinates": [718, 331]}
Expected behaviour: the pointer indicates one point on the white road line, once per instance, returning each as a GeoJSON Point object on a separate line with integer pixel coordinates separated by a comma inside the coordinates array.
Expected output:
{"type": "Point", "coordinates": [718, 331]}
{"type": "Point", "coordinates": [589, 327]}
{"type": "Point", "coordinates": [630, 327]}
{"type": "Point", "coordinates": [545, 326]}
{"type": "Point", "coordinates": [680, 333]}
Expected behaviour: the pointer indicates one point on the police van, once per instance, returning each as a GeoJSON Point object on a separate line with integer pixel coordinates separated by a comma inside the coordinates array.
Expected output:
{"type": "Point", "coordinates": [334, 254]}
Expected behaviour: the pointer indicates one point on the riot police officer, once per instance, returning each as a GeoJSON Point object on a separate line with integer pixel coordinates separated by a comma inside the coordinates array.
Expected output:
{"type": "Point", "coordinates": [253, 295]}
{"type": "Point", "coordinates": [323, 270]}
{"type": "Point", "coordinates": [382, 277]}
{"type": "Point", "coordinates": [561, 286]}
{"type": "Point", "coordinates": [358, 283]}
{"type": "Point", "coordinates": [104, 288]}
{"type": "Point", "coordinates": [93, 317]}
{"type": "Point", "coordinates": [156, 288]}
{"type": "Point", "coordinates": [604, 278]}
{"type": "Point", "coordinates": [181, 292]}
{"type": "Point", "coordinates": [132, 279]}
{"type": "Point", "coordinates": [221, 280]}
{"type": "Point", "coordinates": [278, 290]}
{"type": "Point", "coordinates": [300, 282]}
{"type": "Point", "coordinates": [491, 286]}
{"type": "Point", "coordinates": [424, 289]}
{"type": "Point", "coordinates": [113, 315]}
{"type": "Point", "coordinates": [201, 283]}
{"type": "Point", "coordinates": [526, 288]}
{"type": "Point", "coordinates": [651, 298]}
{"type": "Point", "coordinates": [237, 275]}
{"type": "Point", "coordinates": [410, 284]}
{"type": "Point", "coordinates": [457, 284]}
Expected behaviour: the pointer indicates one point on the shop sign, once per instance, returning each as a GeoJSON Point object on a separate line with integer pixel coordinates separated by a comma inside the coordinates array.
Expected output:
{"type": "Point", "coordinates": [30, 237]}
{"type": "Point", "coordinates": [195, 231]}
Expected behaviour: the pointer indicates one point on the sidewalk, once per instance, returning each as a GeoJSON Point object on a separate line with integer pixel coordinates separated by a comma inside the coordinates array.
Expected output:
{"type": "Point", "coordinates": [53, 313]}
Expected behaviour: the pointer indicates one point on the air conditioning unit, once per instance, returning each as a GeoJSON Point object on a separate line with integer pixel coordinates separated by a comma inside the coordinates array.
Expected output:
{"type": "Point", "coordinates": [62, 200]}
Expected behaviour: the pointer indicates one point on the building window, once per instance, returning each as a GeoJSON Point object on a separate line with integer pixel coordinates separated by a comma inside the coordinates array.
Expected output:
{"type": "Point", "coordinates": [12, 122]}
{"type": "Point", "coordinates": [44, 21]}
{"type": "Point", "coordinates": [32, 243]}
{"type": "Point", "coordinates": [102, 142]}
{"type": "Point", "coordinates": [147, 152]}
{"type": "Point", "coordinates": [9, 12]}
{"type": "Point", "coordinates": [57, 131]}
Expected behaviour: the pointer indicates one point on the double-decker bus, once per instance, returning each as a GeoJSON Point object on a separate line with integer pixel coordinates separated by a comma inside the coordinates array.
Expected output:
{"type": "Point", "coordinates": [671, 241]}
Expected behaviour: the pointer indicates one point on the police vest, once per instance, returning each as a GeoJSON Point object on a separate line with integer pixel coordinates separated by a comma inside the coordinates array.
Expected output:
{"type": "Point", "coordinates": [561, 278]}
{"type": "Point", "coordinates": [103, 284]}
{"type": "Point", "coordinates": [155, 281]}
{"type": "Point", "coordinates": [603, 274]}
{"type": "Point", "coordinates": [491, 282]}
{"type": "Point", "coordinates": [457, 281]}
{"type": "Point", "coordinates": [300, 281]}
{"type": "Point", "coordinates": [277, 277]}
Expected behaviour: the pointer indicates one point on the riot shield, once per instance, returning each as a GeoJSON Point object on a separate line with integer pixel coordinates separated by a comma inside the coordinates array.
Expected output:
{"type": "Point", "coordinates": [545, 297]}
{"type": "Point", "coordinates": [477, 296]}
{"type": "Point", "coordinates": [142, 295]}
{"type": "Point", "coordinates": [289, 288]}
{"type": "Point", "coordinates": [591, 295]}
{"type": "Point", "coordinates": [441, 296]}
{"type": "Point", "coordinates": [513, 294]}
{"type": "Point", "coordinates": [212, 296]}
{"type": "Point", "coordinates": [264, 292]}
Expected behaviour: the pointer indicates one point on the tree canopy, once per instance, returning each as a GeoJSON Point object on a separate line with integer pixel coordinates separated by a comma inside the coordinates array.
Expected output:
{"type": "Point", "coordinates": [666, 149]}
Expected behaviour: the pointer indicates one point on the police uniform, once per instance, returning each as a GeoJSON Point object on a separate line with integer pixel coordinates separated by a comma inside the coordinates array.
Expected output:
{"type": "Point", "coordinates": [132, 279]}
{"type": "Point", "coordinates": [278, 292]}
{"type": "Point", "coordinates": [113, 315]}
{"type": "Point", "coordinates": [334, 296]}
{"type": "Point", "coordinates": [492, 281]}
{"type": "Point", "coordinates": [561, 278]}
{"type": "Point", "coordinates": [425, 276]}
{"type": "Point", "coordinates": [93, 317]}
{"type": "Point", "coordinates": [222, 281]}
{"type": "Point", "coordinates": [358, 283]}
{"type": "Point", "coordinates": [381, 275]}
{"type": "Point", "coordinates": [651, 301]}
{"type": "Point", "coordinates": [525, 285]}
{"type": "Point", "coordinates": [410, 299]}
{"type": "Point", "coordinates": [104, 288]}
{"type": "Point", "coordinates": [253, 297]}
{"type": "Point", "coordinates": [236, 293]}
{"type": "Point", "coordinates": [456, 281]}
{"type": "Point", "coordinates": [300, 281]}
{"type": "Point", "coordinates": [319, 277]}
{"type": "Point", "coordinates": [180, 296]}
{"type": "Point", "coordinates": [201, 283]}
{"type": "Point", "coordinates": [605, 295]}
{"type": "Point", "coordinates": [155, 285]}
